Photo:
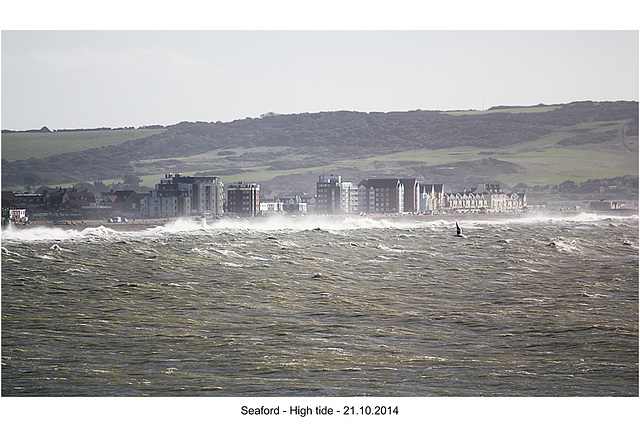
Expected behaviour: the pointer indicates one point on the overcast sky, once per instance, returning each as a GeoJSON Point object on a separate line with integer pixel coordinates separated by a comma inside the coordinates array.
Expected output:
{"type": "Point", "coordinates": [84, 79]}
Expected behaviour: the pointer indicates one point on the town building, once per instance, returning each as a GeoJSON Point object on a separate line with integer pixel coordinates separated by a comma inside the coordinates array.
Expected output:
{"type": "Point", "coordinates": [126, 203]}
{"type": "Point", "coordinates": [243, 199]}
{"type": "Point", "coordinates": [168, 199]}
{"type": "Point", "coordinates": [59, 203]}
{"type": "Point", "coordinates": [467, 201]}
{"type": "Point", "coordinates": [207, 194]}
{"type": "Point", "coordinates": [334, 196]}
{"type": "Point", "coordinates": [271, 207]}
{"type": "Point", "coordinates": [431, 197]}
{"type": "Point", "coordinates": [296, 205]}
{"type": "Point", "coordinates": [15, 216]}
{"type": "Point", "coordinates": [381, 195]}
{"type": "Point", "coordinates": [411, 195]}
{"type": "Point", "coordinates": [67, 202]}
{"type": "Point", "coordinates": [178, 195]}
{"type": "Point", "coordinates": [485, 198]}
{"type": "Point", "coordinates": [32, 202]}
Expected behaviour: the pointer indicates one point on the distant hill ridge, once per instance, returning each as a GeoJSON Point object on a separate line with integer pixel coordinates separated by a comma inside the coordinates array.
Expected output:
{"type": "Point", "coordinates": [323, 138]}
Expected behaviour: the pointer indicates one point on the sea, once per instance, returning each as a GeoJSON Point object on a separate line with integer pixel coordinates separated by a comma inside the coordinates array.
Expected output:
{"type": "Point", "coordinates": [324, 306]}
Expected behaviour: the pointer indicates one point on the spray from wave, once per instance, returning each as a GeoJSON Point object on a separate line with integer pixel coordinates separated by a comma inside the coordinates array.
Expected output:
{"type": "Point", "coordinates": [292, 224]}
{"type": "Point", "coordinates": [42, 233]}
{"type": "Point", "coordinates": [276, 223]}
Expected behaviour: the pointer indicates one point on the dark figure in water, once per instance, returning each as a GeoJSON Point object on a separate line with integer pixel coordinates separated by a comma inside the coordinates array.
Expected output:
{"type": "Point", "coordinates": [459, 232]}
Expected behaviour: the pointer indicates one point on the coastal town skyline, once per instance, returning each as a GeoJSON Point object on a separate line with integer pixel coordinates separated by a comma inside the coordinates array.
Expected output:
{"type": "Point", "coordinates": [201, 197]}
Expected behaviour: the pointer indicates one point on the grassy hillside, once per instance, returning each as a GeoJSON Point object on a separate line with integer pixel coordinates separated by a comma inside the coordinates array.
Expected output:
{"type": "Point", "coordinates": [531, 165]}
{"type": "Point", "coordinates": [534, 145]}
{"type": "Point", "coordinates": [514, 110]}
{"type": "Point", "coordinates": [24, 145]}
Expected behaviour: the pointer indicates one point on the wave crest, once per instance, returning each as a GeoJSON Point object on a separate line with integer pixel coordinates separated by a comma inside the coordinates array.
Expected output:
{"type": "Point", "coordinates": [296, 224]}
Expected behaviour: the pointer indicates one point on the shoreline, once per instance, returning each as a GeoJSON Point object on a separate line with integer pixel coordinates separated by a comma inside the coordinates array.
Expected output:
{"type": "Point", "coordinates": [140, 225]}
{"type": "Point", "coordinates": [81, 225]}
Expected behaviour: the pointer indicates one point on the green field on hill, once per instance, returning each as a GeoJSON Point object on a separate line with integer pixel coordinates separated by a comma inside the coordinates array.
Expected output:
{"type": "Point", "coordinates": [537, 166]}
{"type": "Point", "coordinates": [538, 162]}
{"type": "Point", "coordinates": [24, 145]}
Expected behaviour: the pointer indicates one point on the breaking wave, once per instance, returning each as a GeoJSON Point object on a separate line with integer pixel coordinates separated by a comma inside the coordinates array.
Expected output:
{"type": "Point", "coordinates": [295, 224]}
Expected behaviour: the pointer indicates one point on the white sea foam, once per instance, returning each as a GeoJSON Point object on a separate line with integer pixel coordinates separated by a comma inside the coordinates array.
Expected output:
{"type": "Point", "coordinates": [276, 222]}
{"type": "Point", "coordinates": [35, 234]}
{"type": "Point", "coordinates": [546, 217]}
{"type": "Point", "coordinates": [38, 234]}
{"type": "Point", "coordinates": [282, 223]}
{"type": "Point", "coordinates": [295, 224]}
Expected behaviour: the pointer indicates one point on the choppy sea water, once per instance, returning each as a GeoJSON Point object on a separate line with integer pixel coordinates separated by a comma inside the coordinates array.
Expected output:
{"type": "Point", "coordinates": [323, 306]}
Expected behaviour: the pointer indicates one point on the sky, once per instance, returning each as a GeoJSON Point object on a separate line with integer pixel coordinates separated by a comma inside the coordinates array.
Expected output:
{"type": "Point", "coordinates": [69, 79]}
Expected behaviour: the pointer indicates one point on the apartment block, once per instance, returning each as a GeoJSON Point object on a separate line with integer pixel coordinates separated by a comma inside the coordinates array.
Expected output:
{"type": "Point", "coordinates": [335, 196]}
{"type": "Point", "coordinates": [178, 195]}
{"type": "Point", "coordinates": [168, 199]}
{"type": "Point", "coordinates": [381, 196]}
{"type": "Point", "coordinates": [243, 199]}
{"type": "Point", "coordinates": [206, 192]}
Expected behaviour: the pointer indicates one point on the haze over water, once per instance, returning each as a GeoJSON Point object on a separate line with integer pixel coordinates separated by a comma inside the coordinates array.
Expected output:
{"type": "Point", "coordinates": [322, 306]}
